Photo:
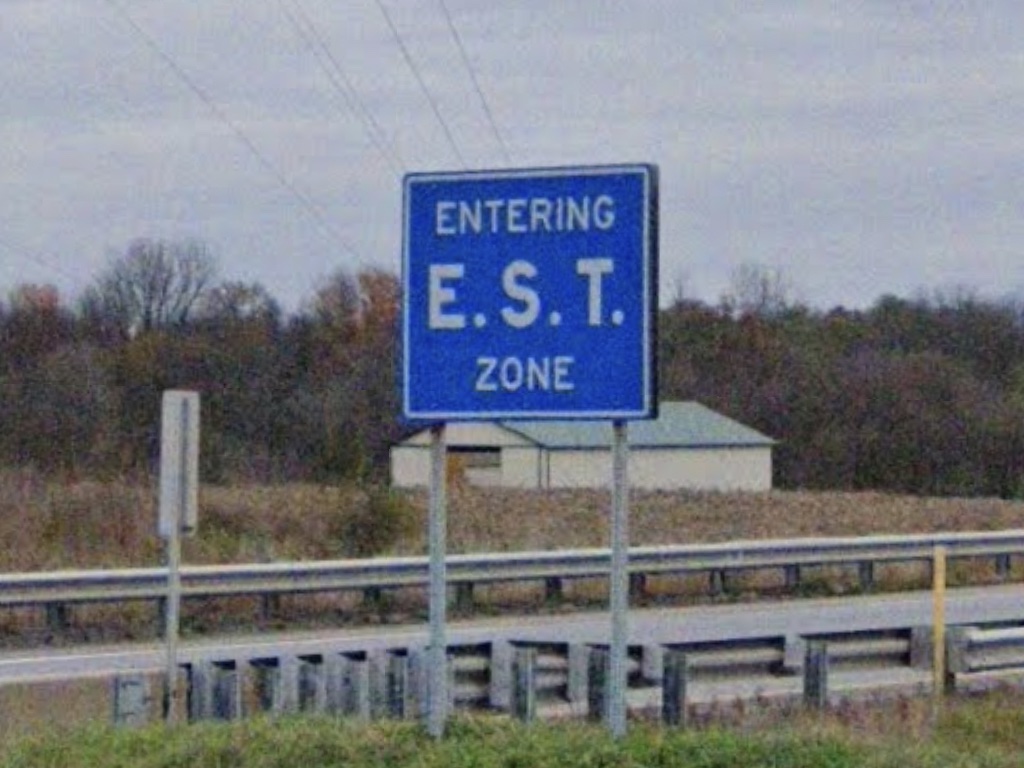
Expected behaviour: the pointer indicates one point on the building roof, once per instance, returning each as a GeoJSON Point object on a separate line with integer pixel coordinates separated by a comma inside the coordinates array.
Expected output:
{"type": "Point", "coordinates": [679, 425]}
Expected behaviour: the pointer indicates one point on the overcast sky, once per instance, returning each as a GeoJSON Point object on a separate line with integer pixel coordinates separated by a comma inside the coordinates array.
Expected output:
{"type": "Point", "coordinates": [861, 148]}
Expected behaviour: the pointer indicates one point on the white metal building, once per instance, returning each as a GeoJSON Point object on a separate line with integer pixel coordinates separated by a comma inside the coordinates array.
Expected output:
{"type": "Point", "coordinates": [687, 446]}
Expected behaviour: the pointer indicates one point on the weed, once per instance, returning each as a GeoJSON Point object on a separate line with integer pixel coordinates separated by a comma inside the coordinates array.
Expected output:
{"type": "Point", "coordinates": [377, 526]}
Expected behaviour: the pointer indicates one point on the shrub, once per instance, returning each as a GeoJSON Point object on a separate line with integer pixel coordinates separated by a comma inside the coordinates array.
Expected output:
{"type": "Point", "coordinates": [378, 526]}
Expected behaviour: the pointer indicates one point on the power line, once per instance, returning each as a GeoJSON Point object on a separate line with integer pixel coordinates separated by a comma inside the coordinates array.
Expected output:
{"type": "Point", "coordinates": [311, 208]}
{"type": "Point", "coordinates": [476, 83]}
{"type": "Point", "coordinates": [335, 73]}
{"type": "Point", "coordinates": [423, 86]}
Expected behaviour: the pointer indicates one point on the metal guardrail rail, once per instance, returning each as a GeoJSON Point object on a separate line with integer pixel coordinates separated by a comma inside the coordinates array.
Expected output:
{"type": "Point", "coordinates": [560, 679]}
{"type": "Point", "coordinates": [981, 649]}
{"type": "Point", "coordinates": [70, 587]}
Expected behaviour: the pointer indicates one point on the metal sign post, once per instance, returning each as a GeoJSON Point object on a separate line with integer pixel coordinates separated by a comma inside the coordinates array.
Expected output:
{"type": "Point", "coordinates": [619, 587]}
{"type": "Point", "coordinates": [938, 628]}
{"type": "Point", "coordinates": [178, 513]}
{"type": "Point", "coordinates": [172, 620]}
{"type": "Point", "coordinates": [437, 693]}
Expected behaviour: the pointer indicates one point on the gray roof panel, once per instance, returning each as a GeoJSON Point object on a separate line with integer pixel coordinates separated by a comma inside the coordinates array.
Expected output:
{"type": "Point", "coordinates": [679, 425]}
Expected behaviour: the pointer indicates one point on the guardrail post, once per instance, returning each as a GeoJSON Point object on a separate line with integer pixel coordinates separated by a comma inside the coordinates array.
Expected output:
{"type": "Point", "coordinates": [58, 618]}
{"type": "Point", "coordinates": [464, 597]}
{"type": "Point", "coordinates": [717, 582]}
{"type": "Point", "coordinates": [673, 688]}
{"type": "Point", "coordinates": [377, 661]}
{"type": "Point", "coordinates": [270, 608]}
{"type": "Point", "coordinates": [373, 598]}
{"type": "Point", "coordinates": [161, 617]}
{"type": "Point", "coordinates": [397, 685]}
{"type": "Point", "coordinates": [598, 674]}
{"type": "Point", "coordinates": [353, 681]}
{"type": "Point", "coordinates": [554, 590]}
{"type": "Point", "coordinates": [199, 693]}
{"type": "Point", "coordinates": [866, 575]}
{"type": "Point", "coordinates": [524, 683]}
{"type": "Point", "coordinates": [578, 674]}
{"type": "Point", "coordinates": [958, 644]}
{"type": "Point", "coordinates": [922, 648]}
{"type": "Point", "coordinates": [311, 684]}
{"type": "Point", "coordinates": [226, 691]}
{"type": "Point", "coordinates": [288, 690]}
{"type": "Point", "coordinates": [333, 673]}
{"type": "Point", "coordinates": [277, 684]}
{"type": "Point", "coordinates": [637, 586]}
{"type": "Point", "coordinates": [1003, 567]}
{"type": "Point", "coordinates": [263, 671]}
{"type": "Point", "coordinates": [419, 680]}
{"type": "Point", "coordinates": [652, 663]}
{"type": "Point", "coordinates": [132, 700]}
{"type": "Point", "coordinates": [794, 654]}
{"type": "Point", "coordinates": [793, 575]}
{"type": "Point", "coordinates": [500, 694]}
{"type": "Point", "coordinates": [176, 705]}
{"type": "Point", "coordinates": [816, 675]}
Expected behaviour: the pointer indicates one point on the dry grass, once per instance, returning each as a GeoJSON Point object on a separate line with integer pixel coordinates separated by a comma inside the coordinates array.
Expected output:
{"type": "Point", "coordinates": [52, 525]}
{"type": "Point", "coordinates": [48, 525]}
{"type": "Point", "coordinates": [514, 520]}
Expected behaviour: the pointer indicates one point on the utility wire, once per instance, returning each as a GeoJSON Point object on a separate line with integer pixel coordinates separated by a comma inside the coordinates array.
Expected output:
{"type": "Point", "coordinates": [423, 86]}
{"type": "Point", "coordinates": [307, 30]}
{"type": "Point", "coordinates": [311, 208]}
{"type": "Point", "coordinates": [476, 83]}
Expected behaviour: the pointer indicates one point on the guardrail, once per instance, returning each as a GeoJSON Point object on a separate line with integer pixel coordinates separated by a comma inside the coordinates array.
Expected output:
{"type": "Point", "coordinates": [974, 650]}
{"type": "Point", "coordinates": [58, 589]}
{"type": "Point", "coordinates": [683, 682]}
{"type": "Point", "coordinates": [533, 680]}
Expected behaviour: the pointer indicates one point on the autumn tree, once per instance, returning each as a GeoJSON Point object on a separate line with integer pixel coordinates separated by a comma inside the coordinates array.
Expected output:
{"type": "Point", "coordinates": [64, 412]}
{"type": "Point", "coordinates": [53, 394]}
{"type": "Point", "coordinates": [155, 284]}
{"type": "Point", "coordinates": [344, 344]}
{"type": "Point", "coordinates": [756, 289]}
{"type": "Point", "coordinates": [247, 378]}
{"type": "Point", "coordinates": [32, 325]}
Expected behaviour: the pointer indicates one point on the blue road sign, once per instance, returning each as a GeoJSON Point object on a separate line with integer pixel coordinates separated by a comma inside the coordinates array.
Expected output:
{"type": "Point", "coordinates": [530, 294]}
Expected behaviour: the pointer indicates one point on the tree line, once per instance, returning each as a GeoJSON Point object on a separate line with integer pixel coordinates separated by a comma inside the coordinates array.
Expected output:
{"type": "Point", "coordinates": [922, 395]}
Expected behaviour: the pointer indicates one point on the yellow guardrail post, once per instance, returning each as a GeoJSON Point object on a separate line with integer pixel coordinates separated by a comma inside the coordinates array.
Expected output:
{"type": "Point", "coordinates": [938, 623]}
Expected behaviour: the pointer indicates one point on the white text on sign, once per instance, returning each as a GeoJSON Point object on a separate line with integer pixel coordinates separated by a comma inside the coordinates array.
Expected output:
{"type": "Point", "coordinates": [524, 215]}
{"type": "Point", "coordinates": [443, 297]}
{"type": "Point", "coordinates": [511, 374]}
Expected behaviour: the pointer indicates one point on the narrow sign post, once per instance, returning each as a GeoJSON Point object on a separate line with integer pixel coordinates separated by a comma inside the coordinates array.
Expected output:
{"type": "Point", "coordinates": [437, 693]}
{"type": "Point", "coordinates": [178, 514]}
{"type": "Point", "coordinates": [619, 588]}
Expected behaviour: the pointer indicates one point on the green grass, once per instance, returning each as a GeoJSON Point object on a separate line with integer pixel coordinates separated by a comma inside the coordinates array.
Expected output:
{"type": "Point", "coordinates": [988, 733]}
{"type": "Point", "coordinates": [470, 743]}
